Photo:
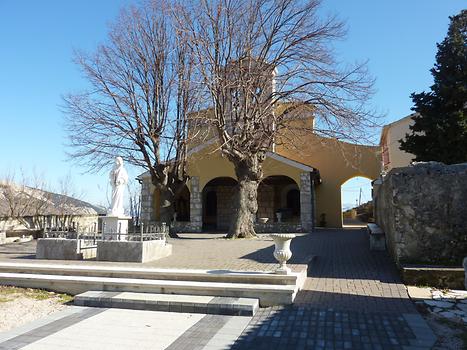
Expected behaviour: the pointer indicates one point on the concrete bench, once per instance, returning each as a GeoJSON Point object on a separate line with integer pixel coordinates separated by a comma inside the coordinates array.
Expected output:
{"type": "Point", "coordinates": [377, 237]}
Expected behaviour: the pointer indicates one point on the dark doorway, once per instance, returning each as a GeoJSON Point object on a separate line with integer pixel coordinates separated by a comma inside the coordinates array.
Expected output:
{"type": "Point", "coordinates": [217, 206]}
{"type": "Point", "coordinates": [293, 201]}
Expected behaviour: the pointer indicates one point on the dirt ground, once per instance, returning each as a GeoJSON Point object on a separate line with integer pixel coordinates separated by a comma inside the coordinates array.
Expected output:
{"type": "Point", "coordinates": [22, 305]}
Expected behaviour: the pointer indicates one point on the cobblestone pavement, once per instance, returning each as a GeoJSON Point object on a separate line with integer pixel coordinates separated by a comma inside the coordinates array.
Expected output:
{"type": "Point", "coordinates": [346, 276]}
{"type": "Point", "coordinates": [195, 251]}
{"type": "Point", "coordinates": [352, 299]}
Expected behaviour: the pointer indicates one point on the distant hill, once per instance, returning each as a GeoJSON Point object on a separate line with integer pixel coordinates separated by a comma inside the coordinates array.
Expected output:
{"type": "Point", "coordinates": [364, 212]}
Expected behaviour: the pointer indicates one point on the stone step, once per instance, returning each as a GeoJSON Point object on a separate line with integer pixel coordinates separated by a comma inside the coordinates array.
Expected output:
{"type": "Point", "coordinates": [169, 302]}
{"type": "Point", "coordinates": [116, 271]}
{"type": "Point", "coordinates": [268, 294]}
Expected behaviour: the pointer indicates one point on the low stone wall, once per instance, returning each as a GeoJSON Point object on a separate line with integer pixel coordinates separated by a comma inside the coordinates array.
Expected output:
{"type": "Point", "coordinates": [422, 210]}
{"type": "Point", "coordinates": [57, 249]}
{"type": "Point", "coordinates": [121, 251]}
{"type": "Point", "coordinates": [186, 227]}
{"type": "Point", "coordinates": [439, 277]}
{"type": "Point", "coordinates": [278, 227]}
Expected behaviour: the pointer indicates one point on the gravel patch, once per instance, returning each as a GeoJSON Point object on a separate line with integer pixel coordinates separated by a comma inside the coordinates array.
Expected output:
{"type": "Point", "coordinates": [19, 306]}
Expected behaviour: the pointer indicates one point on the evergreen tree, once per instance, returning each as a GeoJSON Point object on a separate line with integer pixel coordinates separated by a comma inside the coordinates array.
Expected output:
{"type": "Point", "coordinates": [440, 129]}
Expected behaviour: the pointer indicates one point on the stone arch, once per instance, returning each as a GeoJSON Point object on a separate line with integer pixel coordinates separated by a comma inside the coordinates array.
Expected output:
{"type": "Point", "coordinates": [273, 192]}
{"type": "Point", "coordinates": [356, 206]}
{"type": "Point", "coordinates": [217, 197]}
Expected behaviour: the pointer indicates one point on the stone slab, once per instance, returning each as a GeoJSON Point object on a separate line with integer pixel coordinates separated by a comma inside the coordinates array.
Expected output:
{"type": "Point", "coordinates": [179, 303]}
{"type": "Point", "coordinates": [419, 293]}
{"type": "Point", "coordinates": [268, 295]}
{"type": "Point", "coordinates": [101, 270]}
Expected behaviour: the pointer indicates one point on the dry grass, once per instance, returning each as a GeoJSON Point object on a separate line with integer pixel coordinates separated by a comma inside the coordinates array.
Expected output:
{"type": "Point", "coordinates": [9, 293]}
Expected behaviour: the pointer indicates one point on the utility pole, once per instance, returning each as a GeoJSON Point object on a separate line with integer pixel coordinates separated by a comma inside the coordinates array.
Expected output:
{"type": "Point", "coordinates": [360, 197]}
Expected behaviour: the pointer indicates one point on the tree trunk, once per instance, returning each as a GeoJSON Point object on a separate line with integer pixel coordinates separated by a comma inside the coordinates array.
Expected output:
{"type": "Point", "coordinates": [245, 204]}
{"type": "Point", "coordinates": [167, 209]}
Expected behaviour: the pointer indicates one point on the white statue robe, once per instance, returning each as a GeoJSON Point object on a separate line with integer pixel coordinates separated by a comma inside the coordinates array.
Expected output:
{"type": "Point", "coordinates": [118, 179]}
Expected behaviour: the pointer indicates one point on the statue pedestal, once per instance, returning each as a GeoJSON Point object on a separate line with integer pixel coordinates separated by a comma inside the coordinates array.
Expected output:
{"type": "Point", "coordinates": [115, 227]}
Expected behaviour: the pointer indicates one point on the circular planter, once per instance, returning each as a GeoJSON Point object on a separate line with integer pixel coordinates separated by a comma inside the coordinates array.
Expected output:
{"type": "Point", "coordinates": [282, 251]}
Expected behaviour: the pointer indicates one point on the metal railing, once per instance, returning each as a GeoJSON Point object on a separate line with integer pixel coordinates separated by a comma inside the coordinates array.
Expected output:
{"type": "Point", "coordinates": [144, 233]}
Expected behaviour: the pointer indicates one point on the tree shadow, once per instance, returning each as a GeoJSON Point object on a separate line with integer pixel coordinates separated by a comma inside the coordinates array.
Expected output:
{"type": "Point", "coordinates": [306, 327]}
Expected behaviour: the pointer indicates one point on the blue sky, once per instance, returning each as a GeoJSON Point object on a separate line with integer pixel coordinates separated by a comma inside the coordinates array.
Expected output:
{"type": "Point", "coordinates": [398, 38]}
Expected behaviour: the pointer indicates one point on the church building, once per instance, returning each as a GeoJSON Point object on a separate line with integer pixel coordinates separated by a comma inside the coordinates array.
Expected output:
{"type": "Point", "coordinates": [300, 189]}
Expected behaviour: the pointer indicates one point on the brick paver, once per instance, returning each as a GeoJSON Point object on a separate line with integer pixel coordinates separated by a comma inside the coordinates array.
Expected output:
{"type": "Point", "coordinates": [346, 276]}
{"type": "Point", "coordinates": [352, 299]}
{"type": "Point", "coordinates": [196, 251]}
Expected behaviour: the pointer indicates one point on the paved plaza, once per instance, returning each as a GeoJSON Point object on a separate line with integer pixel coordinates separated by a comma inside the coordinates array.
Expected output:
{"type": "Point", "coordinates": [352, 299]}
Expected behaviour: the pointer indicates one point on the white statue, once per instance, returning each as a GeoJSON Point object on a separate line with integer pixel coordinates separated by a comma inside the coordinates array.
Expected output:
{"type": "Point", "coordinates": [118, 179]}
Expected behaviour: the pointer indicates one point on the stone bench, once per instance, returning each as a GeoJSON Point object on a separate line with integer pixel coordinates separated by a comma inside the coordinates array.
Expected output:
{"type": "Point", "coordinates": [377, 237]}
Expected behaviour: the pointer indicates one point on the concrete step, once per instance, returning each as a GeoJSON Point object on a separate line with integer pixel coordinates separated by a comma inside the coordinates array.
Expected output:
{"type": "Point", "coordinates": [115, 271]}
{"type": "Point", "coordinates": [169, 302]}
{"type": "Point", "coordinates": [268, 294]}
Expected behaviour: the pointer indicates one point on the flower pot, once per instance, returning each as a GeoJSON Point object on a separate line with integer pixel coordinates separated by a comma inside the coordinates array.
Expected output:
{"type": "Point", "coordinates": [282, 251]}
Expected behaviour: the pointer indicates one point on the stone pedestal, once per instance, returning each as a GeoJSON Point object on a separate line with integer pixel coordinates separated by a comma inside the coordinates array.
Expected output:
{"type": "Point", "coordinates": [115, 226]}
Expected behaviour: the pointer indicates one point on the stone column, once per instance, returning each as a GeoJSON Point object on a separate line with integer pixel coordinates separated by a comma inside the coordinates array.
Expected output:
{"type": "Point", "coordinates": [306, 197]}
{"type": "Point", "coordinates": [146, 201]}
{"type": "Point", "coordinates": [196, 205]}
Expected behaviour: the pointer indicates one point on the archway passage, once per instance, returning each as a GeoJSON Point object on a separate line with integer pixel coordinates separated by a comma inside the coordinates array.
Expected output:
{"type": "Point", "coordinates": [356, 202]}
{"type": "Point", "coordinates": [182, 205]}
{"type": "Point", "coordinates": [279, 199]}
{"type": "Point", "coordinates": [217, 203]}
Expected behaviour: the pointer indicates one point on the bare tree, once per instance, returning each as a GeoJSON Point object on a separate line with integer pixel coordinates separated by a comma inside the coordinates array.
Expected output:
{"type": "Point", "coordinates": [138, 102]}
{"type": "Point", "coordinates": [31, 202]}
{"type": "Point", "coordinates": [134, 202]}
{"type": "Point", "coordinates": [253, 56]}
{"type": "Point", "coordinates": [24, 197]}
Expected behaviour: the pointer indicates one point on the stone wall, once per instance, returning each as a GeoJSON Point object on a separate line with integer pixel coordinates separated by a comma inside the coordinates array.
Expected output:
{"type": "Point", "coordinates": [423, 211]}
{"type": "Point", "coordinates": [278, 227]}
{"type": "Point", "coordinates": [306, 202]}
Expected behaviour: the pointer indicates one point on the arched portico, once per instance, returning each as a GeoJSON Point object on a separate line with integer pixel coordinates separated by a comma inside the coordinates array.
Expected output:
{"type": "Point", "coordinates": [279, 194]}
{"type": "Point", "coordinates": [217, 197]}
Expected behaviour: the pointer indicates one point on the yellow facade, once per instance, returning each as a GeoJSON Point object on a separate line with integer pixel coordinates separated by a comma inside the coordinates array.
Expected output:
{"type": "Point", "coordinates": [336, 162]}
